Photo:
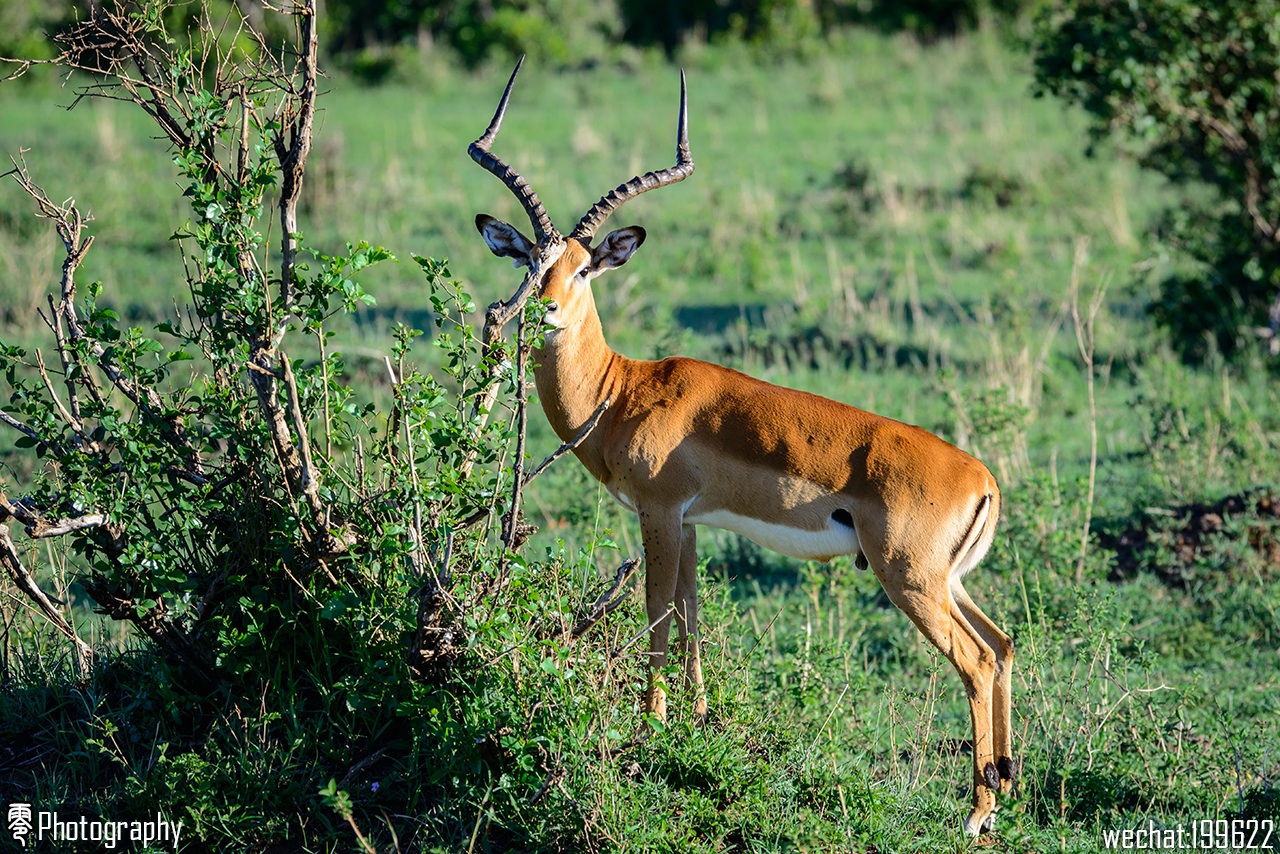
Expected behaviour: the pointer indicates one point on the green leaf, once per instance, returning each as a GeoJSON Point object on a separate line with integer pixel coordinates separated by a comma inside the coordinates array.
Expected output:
{"type": "Point", "coordinates": [334, 609]}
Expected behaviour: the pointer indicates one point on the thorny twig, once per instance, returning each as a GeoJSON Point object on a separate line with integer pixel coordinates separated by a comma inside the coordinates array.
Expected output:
{"type": "Point", "coordinates": [69, 224]}
{"type": "Point", "coordinates": [572, 443]}
{"type": "Point", "coordinates": [496, 317]}
{"type": "Point", "coordinates": [559, 452]}
{"type": "Point", "coordinates": [25, 582]}
{"type": "Point", "coordinates": [610, 600]}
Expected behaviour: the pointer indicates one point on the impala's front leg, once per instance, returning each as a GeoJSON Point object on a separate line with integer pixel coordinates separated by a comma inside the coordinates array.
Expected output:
{"type": "Point", "coordinates": [661, 531]}
{"type": "Point", "coordinates": [687, 617]}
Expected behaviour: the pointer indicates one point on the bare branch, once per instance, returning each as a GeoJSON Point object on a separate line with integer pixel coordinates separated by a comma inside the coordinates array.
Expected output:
{"type": "Point", "coordinates": [643, 632]}
{"type": "Point", "coordinates": [554, 776]}
{"type": "Point", "coordinates": [69, 224]}
{"type": "Point", "coordinates": [293, 153]}
{"type": "Point", "coordinates": [572, 443]}
{"type": "Point", "coordinates": [511, 521]}
{"type": "Point", "coordinates": [264, 379]}
{"type": "Point", "coordinates": [66, 526]}
{"type": "Point", "coordinates": [25, 582]}
{"type": "Point", "coordinates": [23, 66]}
{"type": "Point", "coordinates": [496, 317]}
{"type": "Point", "coordinates": [54, 322]}
{"type": "Point", "coordinates": [37, 527]}
{"type": "Point", "coordinates": [72, 421]}
{"type": "Point", "coordinates": [308, 479]}
{"type": "Point", "coordinates": [610, 600]}
{"type": "Point", "coordinates": [6, 418]}
{"type": "Point", "coordinates": [111, 46]}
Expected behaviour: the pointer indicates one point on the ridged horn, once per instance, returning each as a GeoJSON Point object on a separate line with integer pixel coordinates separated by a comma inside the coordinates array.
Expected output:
{"type": "Point", "coordinates": [479, 150]}
{"type": "Point", "coordinates": [586, 227]}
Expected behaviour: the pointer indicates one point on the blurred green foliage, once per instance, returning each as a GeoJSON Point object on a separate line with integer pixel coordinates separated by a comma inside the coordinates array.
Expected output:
{"type": "Point", "coordinates": [24, 25]}
{"type": "Point", "coordinates": [1192, 84]}
{"type": "Point", "coordinates": [372, 36]}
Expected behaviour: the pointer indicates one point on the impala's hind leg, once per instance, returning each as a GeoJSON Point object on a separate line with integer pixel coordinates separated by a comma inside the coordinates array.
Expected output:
{"type": "Point", "coordinates": [940, 620]}
{"type": "Point", "coordinates": [687, 617]}
{"type": "Point", "coordinates": [1001, 699]}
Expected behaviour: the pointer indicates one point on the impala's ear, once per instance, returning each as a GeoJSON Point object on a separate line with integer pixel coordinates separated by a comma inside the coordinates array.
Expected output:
{"type": "Point", "coordinates": [504, 241]}
{"type": "Point", "coordinates": [616, 249]}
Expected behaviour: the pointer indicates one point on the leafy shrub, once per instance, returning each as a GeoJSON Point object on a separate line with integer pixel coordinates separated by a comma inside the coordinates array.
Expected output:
{"type": "Point", "coordinates": [553, 32]}
{"type": "Point", "coordinates": [929, 19]}
{"type": "Point", "coordinates": [1192, 84]}
{"type": "Point", "coordinates": [987, 185]}
{"type": "Point", "coordinates": [316, 578]}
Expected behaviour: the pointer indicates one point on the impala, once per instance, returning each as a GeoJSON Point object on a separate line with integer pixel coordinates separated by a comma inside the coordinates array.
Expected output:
{"type": "Point", "coordinates": [683, 443]}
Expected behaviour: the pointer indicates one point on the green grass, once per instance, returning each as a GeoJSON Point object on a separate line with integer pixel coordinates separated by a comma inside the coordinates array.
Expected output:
{"type": "Point", "coordinates": [919, 209]}
{"type": "Point", "coordinates": [754, 225]}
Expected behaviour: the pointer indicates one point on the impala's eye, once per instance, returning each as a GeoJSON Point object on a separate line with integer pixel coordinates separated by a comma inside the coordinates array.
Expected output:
{"type": "Point", "coordinates": [582, 273]}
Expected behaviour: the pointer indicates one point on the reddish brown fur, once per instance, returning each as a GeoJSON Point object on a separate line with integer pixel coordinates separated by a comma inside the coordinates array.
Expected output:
{"type": "Point", "coordinates": [684, 441]}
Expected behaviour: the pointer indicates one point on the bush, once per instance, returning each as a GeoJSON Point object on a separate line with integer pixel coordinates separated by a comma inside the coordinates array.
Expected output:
{"type": "Point", "coordinates": [316, 579]}
{"type": "Point", "coordinates": [929, 19]}
{"type": "Point", "coordinates": [1192, 86]}
{"type": "Point", "coordinates": [552, 32]}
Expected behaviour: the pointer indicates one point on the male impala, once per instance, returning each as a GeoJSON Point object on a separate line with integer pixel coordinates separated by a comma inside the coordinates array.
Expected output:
{"type": "Point", "coordinates": [684, 443]}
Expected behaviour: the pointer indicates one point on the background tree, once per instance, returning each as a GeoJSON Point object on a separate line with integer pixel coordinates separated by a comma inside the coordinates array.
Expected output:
{"type": "Point", "coordinates": [1191, 85]}
{"type": "Point", "coordinates": [377, 38]}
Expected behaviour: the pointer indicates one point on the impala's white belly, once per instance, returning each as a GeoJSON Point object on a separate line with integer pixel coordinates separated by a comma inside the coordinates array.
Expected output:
{"type": "Point", "coordinates": [823, 544]}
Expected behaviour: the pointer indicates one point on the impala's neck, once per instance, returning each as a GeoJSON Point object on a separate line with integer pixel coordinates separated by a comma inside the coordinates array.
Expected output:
{"type": "Point", "coordinates": [576, 369]}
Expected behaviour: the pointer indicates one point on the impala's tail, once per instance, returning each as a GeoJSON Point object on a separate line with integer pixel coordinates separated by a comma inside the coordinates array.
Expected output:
{"type": "Point", "coordinates": [977, 540]}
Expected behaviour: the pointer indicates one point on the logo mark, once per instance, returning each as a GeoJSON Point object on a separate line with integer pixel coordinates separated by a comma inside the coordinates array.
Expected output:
{"type": "Point", "coordinates": [20, 822]}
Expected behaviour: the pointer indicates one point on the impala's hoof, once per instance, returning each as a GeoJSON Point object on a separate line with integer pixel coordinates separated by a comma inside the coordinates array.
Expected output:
{"type": "Point", "coordinates": [1008, 768]}
{"type": "Point", "coordinates": [975, 827]}
{"type": "Point", "coordinates": [991, 776]}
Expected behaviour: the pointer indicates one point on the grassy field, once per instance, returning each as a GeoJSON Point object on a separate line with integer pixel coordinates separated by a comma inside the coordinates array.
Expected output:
{"type": "Point", "coordinates": [899, 227]}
